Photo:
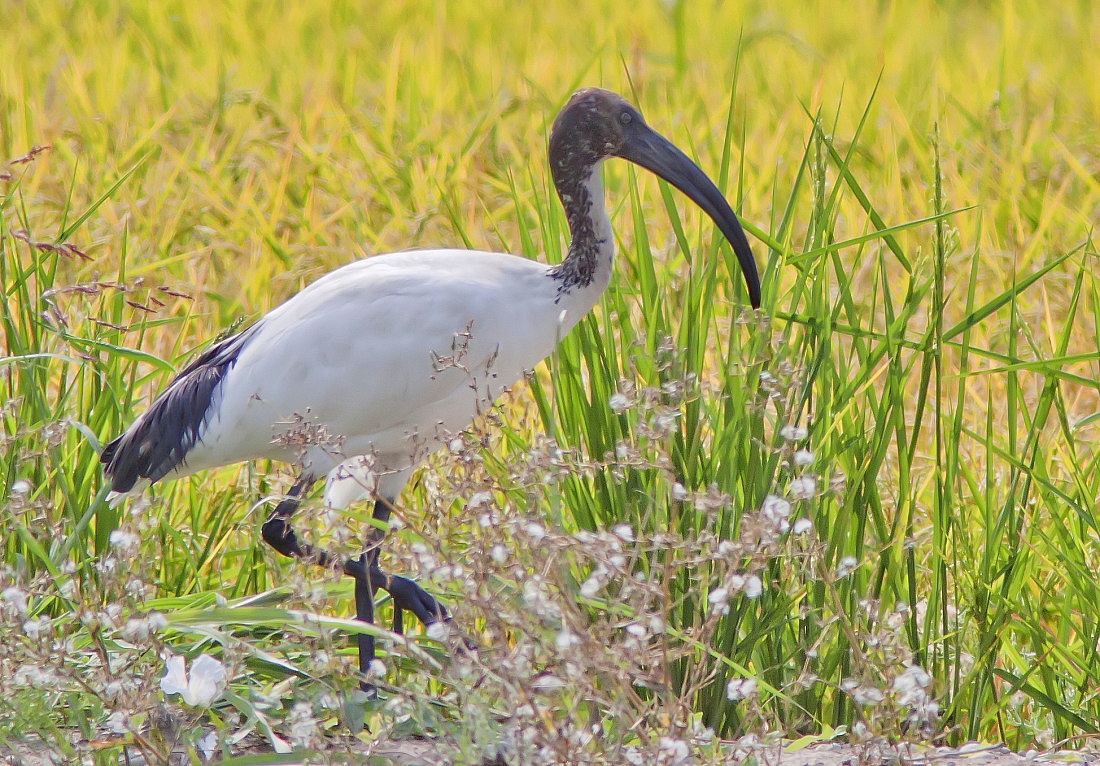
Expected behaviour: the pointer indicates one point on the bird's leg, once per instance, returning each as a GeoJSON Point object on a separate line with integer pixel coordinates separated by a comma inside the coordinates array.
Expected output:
{"type": "Point", "coordinates": [277, 531]}
{"type": "Point", "coordinates": [367, 581]}
{"type": "Point", "coordinates": [364, 611]}
{"type": "Point", "coordinates": [406, 594]}
{"type": "Point", "coordinates": [369, 577]}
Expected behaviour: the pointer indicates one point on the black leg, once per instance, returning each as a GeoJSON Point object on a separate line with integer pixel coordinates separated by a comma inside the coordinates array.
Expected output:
{"type": "Point", "coordinates": [369, 577]}
{"type": "Point", "coordinates": [280, 535]}
{"type": "Point", "coordinates": [364, 610]}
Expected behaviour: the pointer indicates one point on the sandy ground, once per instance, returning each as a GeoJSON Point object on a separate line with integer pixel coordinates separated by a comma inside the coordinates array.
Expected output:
{"type": "Point", "coordinates": [822, 754]}
{"type": "Point", "coordinates": [427, 753]}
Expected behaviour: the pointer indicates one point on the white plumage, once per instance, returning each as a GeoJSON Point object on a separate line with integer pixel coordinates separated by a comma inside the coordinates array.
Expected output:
{"type": "Point", "coordinates": [393, 355]}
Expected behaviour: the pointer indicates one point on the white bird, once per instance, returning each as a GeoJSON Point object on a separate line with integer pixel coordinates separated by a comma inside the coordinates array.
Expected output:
{"type": "Point", "coordinates": [368, 370]}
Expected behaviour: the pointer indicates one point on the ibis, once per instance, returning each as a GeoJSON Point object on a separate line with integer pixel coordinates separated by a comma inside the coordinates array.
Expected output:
{"type": "Point", "coordinates": [361, 375]}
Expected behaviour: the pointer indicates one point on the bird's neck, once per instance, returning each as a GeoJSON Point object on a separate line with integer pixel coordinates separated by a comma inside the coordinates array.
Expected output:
{"type": "Point", "coordinates": [587, 267]}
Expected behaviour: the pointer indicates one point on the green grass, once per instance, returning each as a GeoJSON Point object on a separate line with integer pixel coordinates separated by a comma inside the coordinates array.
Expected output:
{"type": "Point", "coordinates": [921, 185]}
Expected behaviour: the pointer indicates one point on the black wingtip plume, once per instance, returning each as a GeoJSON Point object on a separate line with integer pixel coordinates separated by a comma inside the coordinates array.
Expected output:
{"type": "Point", "coordinates": [158, 441]}
{"type": "Point", "coordinates": [107, 457]}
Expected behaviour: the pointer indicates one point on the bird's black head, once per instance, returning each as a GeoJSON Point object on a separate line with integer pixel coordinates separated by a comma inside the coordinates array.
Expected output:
{"type": "Point", "coordinates": [597, 124]}
{"type": "Point", "coordinates": [593, 126]}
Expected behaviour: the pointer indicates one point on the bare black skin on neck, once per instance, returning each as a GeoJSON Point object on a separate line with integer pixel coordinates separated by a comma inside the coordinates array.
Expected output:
{"type": "Point", "coordinates": [588, 130]}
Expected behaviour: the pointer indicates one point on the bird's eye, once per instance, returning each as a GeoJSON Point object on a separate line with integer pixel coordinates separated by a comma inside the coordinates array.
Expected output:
{"type": "Point", "coordinates": [626, 118]}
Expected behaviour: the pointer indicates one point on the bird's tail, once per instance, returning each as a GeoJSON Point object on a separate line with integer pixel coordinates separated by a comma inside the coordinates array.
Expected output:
{"type": "Point", "coordinates": [158, 441]}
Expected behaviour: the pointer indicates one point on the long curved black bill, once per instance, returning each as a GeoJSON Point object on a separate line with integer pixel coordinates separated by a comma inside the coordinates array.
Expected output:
{"type": "Point", "coordinates": [644, 146]}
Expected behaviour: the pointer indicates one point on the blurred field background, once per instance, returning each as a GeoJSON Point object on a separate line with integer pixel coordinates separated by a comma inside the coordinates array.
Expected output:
{"type": "Point", "coordinates": [921, 183]}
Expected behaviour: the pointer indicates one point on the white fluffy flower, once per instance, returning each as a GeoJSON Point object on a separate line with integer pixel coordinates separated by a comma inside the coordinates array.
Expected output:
{"type": "Point", "coordinates": [910, 685]}
{"type": "Point", "coordinates": [863, 695]}
{"type": "Point", "coordinates": [479, 500]}
{"type": "Point", "coordinates": [673, 751]}
{"type": "Point", "coordinates": [566, 640]}
{"type": "Point", "coordinates": [624, 533]}
{"type": "Point", "coordinates": [803, 487]}
{"type": "Point", "coordinates": [802, 526]}
{"type": "Point", "coordinates": [16, 598]}
{"type": "Point", "coordinates": [208, 745]}
{"type": "Point", "coordinates": [126, 542]}
{"type": "Point", "coordinates": [719, 600]}
{"type": "Point", "coordinates": [754, 587]}
{"type": "Point", "coordinates": [302, 726]}
{"type": "Point", "coordinates": [590, 587]}
{"type": "Point", "coordinates": [205, 683]}
{"type": "Point", "coordinates": [794, 433]}
{"type": "Point", "coordinates": [776, 510]}
{"type": "Point", "coordinates": [740, 688]}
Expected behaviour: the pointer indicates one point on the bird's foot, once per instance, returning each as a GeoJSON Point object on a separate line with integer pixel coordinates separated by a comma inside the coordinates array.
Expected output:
{"type": "Point", "coordinates": [408, 596]}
